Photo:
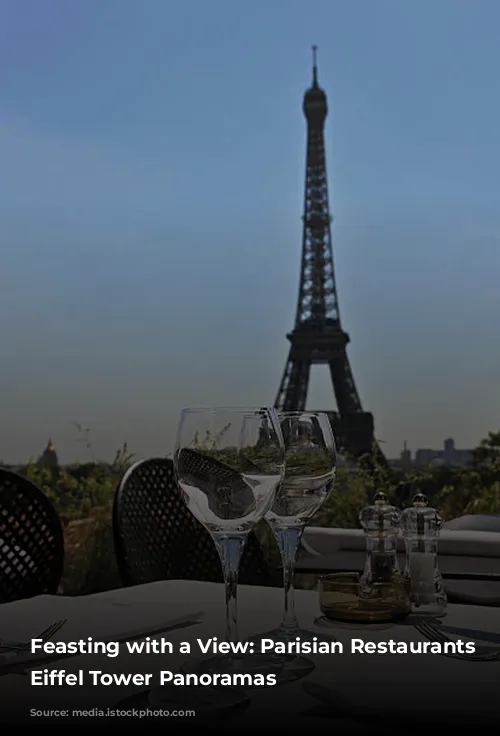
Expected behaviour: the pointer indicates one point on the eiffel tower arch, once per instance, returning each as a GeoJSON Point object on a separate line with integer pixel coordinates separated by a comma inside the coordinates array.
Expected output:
{"type": "Point", "coordinates": [317, 336]}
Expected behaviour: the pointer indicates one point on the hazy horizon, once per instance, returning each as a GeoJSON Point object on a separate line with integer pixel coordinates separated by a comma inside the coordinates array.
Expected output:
{"type": "Point", "coordinates": [150, 213]}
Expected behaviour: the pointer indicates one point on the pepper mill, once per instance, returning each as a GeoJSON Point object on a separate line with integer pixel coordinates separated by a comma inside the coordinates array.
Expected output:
{"type": "Point", "coordinates": [420, 525]}
{"type": "Point", "coordinates": [380, 523]}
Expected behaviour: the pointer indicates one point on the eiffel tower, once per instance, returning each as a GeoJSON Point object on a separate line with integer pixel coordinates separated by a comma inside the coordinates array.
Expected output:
{"type": "Point", "coordinates": [318, 337]}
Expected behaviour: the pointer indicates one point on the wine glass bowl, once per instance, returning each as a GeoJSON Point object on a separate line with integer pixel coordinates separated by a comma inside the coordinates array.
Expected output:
{"type": "Point", "coordinates": [229, 463]}
{"type": "Point", "coordinates": [310, 457]}
{"type": "Point", "coordinates": [227, 472]}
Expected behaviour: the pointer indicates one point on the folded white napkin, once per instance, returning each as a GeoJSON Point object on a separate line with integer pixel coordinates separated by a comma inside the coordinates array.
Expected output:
{"type": "Point", "coordinates": [324, 540]}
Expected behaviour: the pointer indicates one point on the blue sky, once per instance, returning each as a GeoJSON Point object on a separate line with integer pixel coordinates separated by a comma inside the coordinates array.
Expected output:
{"type": "Point", "coordinates": [150, 201]}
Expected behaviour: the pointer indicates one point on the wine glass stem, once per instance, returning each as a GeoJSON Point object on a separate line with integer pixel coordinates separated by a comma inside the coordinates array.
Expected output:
{"type": "Point", "coordinates": [288, 539]}
{"type": "Point", "coordinates": [230, 549]}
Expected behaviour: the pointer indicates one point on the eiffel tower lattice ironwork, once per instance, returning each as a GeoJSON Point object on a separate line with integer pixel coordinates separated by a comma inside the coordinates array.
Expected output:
{"type": "Point", "coordinates": [318, 337]}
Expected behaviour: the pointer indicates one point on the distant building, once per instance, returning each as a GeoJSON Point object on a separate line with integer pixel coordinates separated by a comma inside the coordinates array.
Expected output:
{"type": "Point", "coordinates": [449, 456]}
{"type": "Point", "coordinates": [48, 458]}
{"type": "Point", "coordinates": [404, 461]}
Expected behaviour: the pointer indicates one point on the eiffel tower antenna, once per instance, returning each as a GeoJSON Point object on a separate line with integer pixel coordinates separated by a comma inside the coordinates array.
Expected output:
{"type": "Point", "coordinates": [315, 65]}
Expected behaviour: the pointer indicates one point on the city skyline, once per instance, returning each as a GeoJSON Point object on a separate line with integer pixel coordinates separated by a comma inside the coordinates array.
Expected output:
{"type": "Point", "coordinates": [150, 211]}
{"type": "Point", "coordinates": [447, 454]}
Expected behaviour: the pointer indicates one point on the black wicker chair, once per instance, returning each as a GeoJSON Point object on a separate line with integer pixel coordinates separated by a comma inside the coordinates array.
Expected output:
{"type": "Point", "coordinates": [31, 540]}
{"type": "Point", "coordinates": [157, 538]}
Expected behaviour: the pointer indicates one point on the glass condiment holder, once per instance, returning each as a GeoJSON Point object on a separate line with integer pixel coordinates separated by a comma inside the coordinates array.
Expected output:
{"type": "Point", "coordinates": [381, 593]}
{"type": "Point", "coordinates": [420, 525]}
{"type": "Point", "coordinates": [380, 523]}
{"type": "Point", "coordinates": [344, 599]}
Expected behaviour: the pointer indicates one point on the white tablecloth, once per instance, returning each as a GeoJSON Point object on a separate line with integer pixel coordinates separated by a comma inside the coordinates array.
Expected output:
{"type": "Point", "coordinates": [441, 682]}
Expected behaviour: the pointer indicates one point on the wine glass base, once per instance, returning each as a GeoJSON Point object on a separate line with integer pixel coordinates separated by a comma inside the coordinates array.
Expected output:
{"type": "Point", "coordinates": [285, 668]}
{"type": "Point", "coordinates": [328, 623]}
{"type": "Point", "coordinates": [287, 636]}
{"type": "Point", "coordinates": [224, 664]}
{"type": "Point", "coordinates": [294, 666]}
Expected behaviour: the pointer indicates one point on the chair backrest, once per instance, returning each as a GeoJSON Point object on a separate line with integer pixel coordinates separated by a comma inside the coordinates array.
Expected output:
{"type": "Point", "coordinates": [31, 540]}
{"type": "Point", "coordinates": [157, 537]}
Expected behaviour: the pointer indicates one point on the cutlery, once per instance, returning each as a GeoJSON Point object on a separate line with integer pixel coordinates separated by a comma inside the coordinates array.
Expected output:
{"type": "Point", "coordinates": [22, 663]}
{"type": "Point", "coordinates": [338, 706]}
{"type": "Point", "coordinates": [471, 633]}
{"type": "Point", "coordinates": [21, 646]}
{"type": "Point", "coordinates": [432, 632]}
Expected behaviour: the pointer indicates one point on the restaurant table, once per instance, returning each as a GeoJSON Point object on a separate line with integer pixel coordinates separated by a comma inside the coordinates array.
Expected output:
{"type": "Point", "coordinates": [429, 681]}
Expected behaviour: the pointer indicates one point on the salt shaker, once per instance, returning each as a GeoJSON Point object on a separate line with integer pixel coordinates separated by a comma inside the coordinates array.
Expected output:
{"type": "Point", "coordinates": [420, 525]}
{"type": "Point", "coordinates": [380, 523]}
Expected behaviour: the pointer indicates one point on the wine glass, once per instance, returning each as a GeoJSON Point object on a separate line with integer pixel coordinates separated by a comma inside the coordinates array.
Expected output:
{"type": "Point", "coordinates": [311, 460]}
{"type": "Point", "coordinates": [229, 464]}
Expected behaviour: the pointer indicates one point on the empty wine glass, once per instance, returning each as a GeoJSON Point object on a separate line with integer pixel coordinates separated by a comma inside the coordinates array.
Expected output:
{"type": "Point", "coordinates": [229, 464]}
{"type": "Point", "coordinates": [311, 460]}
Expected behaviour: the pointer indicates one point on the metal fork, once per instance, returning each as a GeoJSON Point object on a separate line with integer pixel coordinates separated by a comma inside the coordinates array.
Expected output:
{"type": "Point", "coordinates": [44, 635]}
{"type": "Point", "coordinates": [429, 629]}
